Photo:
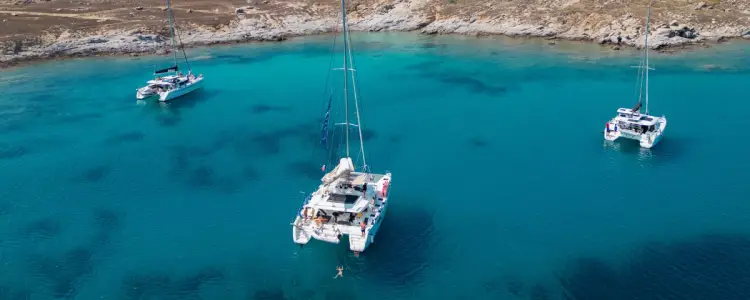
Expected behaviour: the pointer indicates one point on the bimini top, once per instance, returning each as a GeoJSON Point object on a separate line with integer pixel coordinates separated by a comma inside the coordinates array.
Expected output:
{"type": "Point", "coordinates": [628, 116]}
{"type": "Point", "coordinates": [167, 80]}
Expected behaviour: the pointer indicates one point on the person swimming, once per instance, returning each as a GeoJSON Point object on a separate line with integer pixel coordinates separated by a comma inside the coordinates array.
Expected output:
{"type": "Point", "coordinates": [339, 272]}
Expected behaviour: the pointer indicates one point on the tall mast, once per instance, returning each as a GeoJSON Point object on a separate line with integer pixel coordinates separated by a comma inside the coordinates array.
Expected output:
{"type": "Point", "coordinates": [346, 75]}
{"type": "Point", "coordinates": [171, 27]}
{"type": "Point", "coordinates": [648, 24]}
{"type": "Point", "coordinates": [356, 108]}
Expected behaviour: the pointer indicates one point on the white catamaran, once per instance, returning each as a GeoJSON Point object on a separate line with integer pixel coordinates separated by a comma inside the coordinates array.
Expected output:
{"type": "Point", "coordinates": [348, 202]}
{"type": "Point", "coordinates": [631, 123]}
{"type": "Point", "coordinates": [170, 83]}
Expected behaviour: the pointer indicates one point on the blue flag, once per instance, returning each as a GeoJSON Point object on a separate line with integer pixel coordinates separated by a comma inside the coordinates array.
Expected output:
{"type": "Point", "coordinates": [324, 131]}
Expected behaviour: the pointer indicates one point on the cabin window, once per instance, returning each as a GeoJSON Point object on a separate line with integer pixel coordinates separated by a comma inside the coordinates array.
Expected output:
{"type": "Point", "coordinates": [346, 199]}
{"type": "Point", "coordinates": [651, 128]}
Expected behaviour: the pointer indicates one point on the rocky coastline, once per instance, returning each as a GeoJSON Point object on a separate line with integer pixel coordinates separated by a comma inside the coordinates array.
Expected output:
{"type": "Point", "coordinates": [265, 21]}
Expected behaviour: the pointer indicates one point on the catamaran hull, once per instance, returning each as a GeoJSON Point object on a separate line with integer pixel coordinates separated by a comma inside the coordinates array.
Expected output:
{"type": "Point", "coordinates": [648, 141]}
{"type": "Point", "coordinates": [376, 227]}
{"type": "Point", "coordinates": [169, 95]}
{"type": "Point", "coordinates": [140, 96]}
{"type": "Point", "coordinates": [298, 235]}
{"type": "Point", "coordinates": [303, 232]}
{"type": "Point", "coordinates": [645, 140]}
{"type": "Point", "coordinates": [373, 231]}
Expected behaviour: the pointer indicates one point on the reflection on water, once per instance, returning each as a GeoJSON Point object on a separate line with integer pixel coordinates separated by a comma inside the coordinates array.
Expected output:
{"type": "Point", "coordinates": [629, 147]}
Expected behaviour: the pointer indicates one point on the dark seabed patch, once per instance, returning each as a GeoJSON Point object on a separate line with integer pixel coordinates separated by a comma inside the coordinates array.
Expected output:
{"type": "Point", "coordinates": [14, 292]}
{"type": "Point", "coordinates": [505, 285]}
{"type": "Point", "coordinates": [169, 120]}
{"type": "Point", "coordinates": [106, 220]}
{"type": "Point", "coordinates": [159, 285]}
{"type": "Point", "coordinates": [63, 273]}
{"type": "Point", "coordinates": [244, 59]}
{"type": "Point", "coordinates": [201, 177]}
{"type": "Point", "coordinates": [268, 294]}
{"type": "Point", "coordinates": [539, 292]}
{"type": "Point", "coordinates": [45, 228]}
{"type": "Point", "coordinates": [265, 108]}
{"type": "Point", "coordinates": [12, 126]}
{"type": "Point", "coordinates": [471, 83]}
{"type": "Point", "coordinates": [269, 143]}
{"type": "Point", "coordinates": [182, 155]}
{"type": "Point", "coordinates": [8, 151]}
{"type": "Point", "coordinates": [127, 137]}
{"type": "Point", "coordinates": [106, 223]}
{"type": "Point", "coordinates": [707, 267]}
{"type": "Point", "coordinates": [400, 252]}
{"type": "Point", "coordinates": [95, 174]}
{"type": "Point", "coordinates": [431, 45]}
{"type": "Point", "coordinates": [368, 134]}
{"type": "Point", "coordinates": [250, 173]}
{"type": "Point", "coordinates": [266, 144]}
{"type": "Point", "coordinates": [477, 142]}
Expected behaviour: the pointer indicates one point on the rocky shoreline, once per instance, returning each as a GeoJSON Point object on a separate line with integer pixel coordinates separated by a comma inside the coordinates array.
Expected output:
{"type": "Point", "coordinates": [256, 23]}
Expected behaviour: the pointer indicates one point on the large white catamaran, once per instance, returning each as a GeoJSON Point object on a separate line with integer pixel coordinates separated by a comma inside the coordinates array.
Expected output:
{"type": "Point", "coordinates": [348, 202]}
{"type": "Point", "coordinates": [631, 123]}
{"type": "Point", "coordinates": [170, 83]}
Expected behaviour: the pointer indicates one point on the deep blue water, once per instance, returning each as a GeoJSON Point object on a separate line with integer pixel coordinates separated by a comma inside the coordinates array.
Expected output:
{"type": "Point", "coordinates": [503, 185]}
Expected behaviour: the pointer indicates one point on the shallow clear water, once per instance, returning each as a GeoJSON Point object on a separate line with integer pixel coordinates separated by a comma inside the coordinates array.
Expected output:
{"type": "Point", "coordinates": [504, 187]}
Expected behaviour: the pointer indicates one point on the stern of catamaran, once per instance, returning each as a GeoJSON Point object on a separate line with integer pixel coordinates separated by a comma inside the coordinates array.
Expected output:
{"type": "Point", "coordinates": [611, 131]}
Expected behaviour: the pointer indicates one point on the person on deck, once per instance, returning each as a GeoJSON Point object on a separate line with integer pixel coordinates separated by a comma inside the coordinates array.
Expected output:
{"type": "Point", "coordinates": [363, 226]}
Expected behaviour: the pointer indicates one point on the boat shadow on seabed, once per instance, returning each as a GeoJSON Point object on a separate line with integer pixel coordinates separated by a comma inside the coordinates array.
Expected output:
{"type": "Point", "coordinates": [169, 112]}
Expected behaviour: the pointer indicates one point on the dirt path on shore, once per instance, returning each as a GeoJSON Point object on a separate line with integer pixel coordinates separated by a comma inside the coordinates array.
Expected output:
{"type": "Point", "coordinates": [62, 15]}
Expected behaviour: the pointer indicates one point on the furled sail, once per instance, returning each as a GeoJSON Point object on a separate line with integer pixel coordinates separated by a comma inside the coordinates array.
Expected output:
{"type": "Point", "coordinates": [170, 69]}
{"type": "Point", "coordinates": [637, 107]}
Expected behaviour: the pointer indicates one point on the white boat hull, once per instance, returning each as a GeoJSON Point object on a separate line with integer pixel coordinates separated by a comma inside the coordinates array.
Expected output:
{"type": "Point", "coordinates": [298, 233]}
{"type": "Point", "coordinates": [647, 140]}
{"type": "Point", "coordinates": [181, 91]}
{"type": "Point", "coordinates": [142, 96]}
{"type": "Point", "coordinates": [304, 231]}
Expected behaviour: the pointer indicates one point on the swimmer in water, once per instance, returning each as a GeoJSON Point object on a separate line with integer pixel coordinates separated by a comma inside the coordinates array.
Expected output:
{"type": "Point", "coordinates": [339, 272]}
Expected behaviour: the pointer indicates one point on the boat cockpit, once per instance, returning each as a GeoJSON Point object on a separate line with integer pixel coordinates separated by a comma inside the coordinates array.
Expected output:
{"type": "Point", "coordinates": [630, 120]}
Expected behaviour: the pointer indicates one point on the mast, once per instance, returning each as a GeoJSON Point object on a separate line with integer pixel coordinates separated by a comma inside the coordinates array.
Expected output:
{"type": "Point", "coordinates": [171, 27]}
{"type": "Point", "coordinates": [648, 24]}
{"type": "Point", "coordinates": [356, 109]}
{"type": "Point", "coordinates": [346, 75]}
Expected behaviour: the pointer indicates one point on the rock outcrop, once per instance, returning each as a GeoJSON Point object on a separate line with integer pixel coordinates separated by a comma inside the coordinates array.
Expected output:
{"type": "Point", "coordinates": [617, 23]}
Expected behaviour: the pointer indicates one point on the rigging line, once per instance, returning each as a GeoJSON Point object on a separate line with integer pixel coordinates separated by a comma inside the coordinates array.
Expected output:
{"type": "Point", "coordinates": [332, 151]}
{"type": "Point", "coordinates": [358, 105]}
{"type": "Point", "coordinates": [182, 47]}
{"type": "Point", "coordinates": [346, 73]}
{"type": "Point", "coordinates": [648, 26]}
{"type": "Point", "coordinates": [638, 82]}
{"type": "Point", "coordinates": [171, 29]}
{"type": "Point", "coordinates": [326, 98]}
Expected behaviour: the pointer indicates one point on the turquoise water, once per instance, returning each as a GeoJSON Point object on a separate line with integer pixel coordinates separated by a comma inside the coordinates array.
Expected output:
{"type": "Point", "coordinates": [503, 185]}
